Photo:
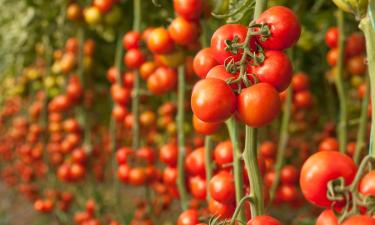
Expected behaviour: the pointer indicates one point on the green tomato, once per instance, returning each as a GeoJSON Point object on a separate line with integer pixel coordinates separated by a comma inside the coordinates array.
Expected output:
{"type": "Point", "coordinates": [306, 41]}
{"type": "Point", "coordinates": [49, 82]}
{"type": "Point", "coordinates": [113, 16]}
{"type": "Point", "coordinates": [357, 7]}
{"type": "Point", "coordinates": [356, 80]}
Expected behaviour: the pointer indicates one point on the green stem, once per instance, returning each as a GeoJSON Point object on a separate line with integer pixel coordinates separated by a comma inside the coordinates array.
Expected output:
{"type": "Point", "coordinates": [368, 30]}
{"type": "Point", "coordinates": [260, 6]}
{"type": "Point", "coordinates": [181, 137]}
{"type": "Point", "coordinates": [343, 120]}
{"type": "Point", "coordinates": [232, 126]}
{"type": "Point", "coordinates": [208, 146]}
{"type": "Point", "coordinates": [362, 127]}
{"type": "Point", "coordinates": [283, 140]}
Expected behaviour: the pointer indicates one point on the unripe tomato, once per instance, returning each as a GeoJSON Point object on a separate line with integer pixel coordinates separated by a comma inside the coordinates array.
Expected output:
{"type": "Point", "coordinates": [331, 37]}
{"type": "Point", "coordinates": [162, 80]}
{"type": "Point", "coordinates": [222, 187]}
{"type": "Point", "coordinates": [319, 169]}
{"type": "Point", "coordinates": [159, 41]}
{"type": "Point", "coordinates": [188, 9]}
{"type": "Point", "coordinates": [131, 40]}
{"type": "Point", "coordinates": [188, 217]}
{"type": "Point", "coordinates": [203, 62]}
{"type": "Point", "coordinates": [259, 105]}
{"type": "Point", "coordinates": [204, 127]}
{"type": "Point", "coordinates": [263, 220]}
{"type": "Point", "coordinates": [173, 59]}
{"type": "Point", "coordinates": [92, 15]}
{"type": "Point", "coordinates": [182, 31]}
{"type": "Point", "coordinates": [284, 27]}
{"type": "Point", "coordinates": [213, 100]}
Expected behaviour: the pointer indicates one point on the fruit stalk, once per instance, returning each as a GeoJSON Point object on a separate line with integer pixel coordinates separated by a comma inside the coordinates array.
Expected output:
{"type": "Point", "coordinates": [208, 146]}
{"type": "Point", "coordinates": [362, 127]}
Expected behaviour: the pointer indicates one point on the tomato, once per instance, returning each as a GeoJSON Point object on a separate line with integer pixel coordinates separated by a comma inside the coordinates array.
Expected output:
{"type": "Point", "coordinates": [89, 47]}
{"type": "Point", "coordinates": [170, 176]}
{"type": "Point", "coordinates": [223, 34]}
{"type": "Point", "coordinates": [198, 187]}
{"type": "Point", "coordinates": [188, 217]}
{"type": "Point", "coordinates": [223, 153]}
{"type": "Point", "coordinates": [289, 174]}
{"type": "Point", "coordinates": [319, 169]}
{"type": "Point", "coordinates": [332, 36]}
{"type": "Point", "coordinates": [173, 59]}
{"type": "Point", "coordinates": [147, 119]}
{"type": "Point", "coordinates": [213, 100]}
{"type": "Point", "coordinates": [268, 149]}
{"type": "Point", "coordinates": [288, 193]}
{"type": "Point", "coordinates": [259, 105]}
{"type": "Point", "coordinates": [123, 172]}
{"type": "Point", "coordinates": [92, 15]}
{"type": "Point", "coordinates": [359, 220]}
{"type": "Point", "coordinates": [355, 44]}
{"type": "Point", "coordinates": [128, 79]}
{"type": "Point", "coordinates": [222, 187]}
{"type": "Point", "coordinates": [263, 220]}
{"type": "Point", "coordinates": [131, 40]}
{"type": "Point", "coordinates": [162, 80]}
{"type": "Point", "coordinates": [119, 94]}
{"type": "Point", "coordinates": [357, 65]}
{"type": "Point", "coordinates": [283, 25]}
{"type": "Point", "coordinates": [204, 127]}
{"type": "Point", "coordinates": [134, 58]}
{"type": "Point", "coordinates": [303, 99]}
{"type": "Point", "coordinates": [219, 72]}
{"type": "Point", "coordinates": [182, 31]}
{"type": "Point", "coordinates": [159, 41]}
{"type": "Point", "coordinates": [327, 217]}
{"type": "Point", "coordinates": [203, 62]}
{"type": "Point", "coordinates": [103, 5]}
{"type": "Point", "coordinates": [111, 74]}
{"type": "Point", "coordinates": [73, 12]}
{"type": "Point", "coordinates": [147, 69]}
{"type": "Point", "coordinates": [188, 9]}
{"type": "Point", "coordinates": [122, 155]}
{"type": "Point", "coordinates": [332, 56]}
{"type": "Point", "coordinates": [168, 154]}
{"type": "Point", "coordinates": [137, 176]}
{"type": "Point", "coordinates": [195, 162]}
{"type": "Point", "coordinates": [147, 154]}
{"type": "Point", "coordinates": [300, 82]}
{"type": "Point", "coordinates": [367, 184]}
{"type": "Point", "coordinates": [329, 144]}
{"type": "Point", "coordinates": [219, 209]}
{"type": "Point", "coordinates": [275, 70]}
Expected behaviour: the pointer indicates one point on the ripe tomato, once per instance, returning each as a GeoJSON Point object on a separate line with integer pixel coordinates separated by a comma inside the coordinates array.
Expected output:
{"type": "Point", "coordinates": [159, 41]}
{"type": "Point", "coordinates": [123, 172]}
{"type": "Point", "coordinates": [327, 217]}
{"type": "Point", "coordinates": [119, 94]}
{"type": "Point", "coordinates": [355, 44]}
{"type": "Point", "coordinates": [367, 184]}
{"type": "Point", "coordinates": [223, 34]}
{"type": "Point", "coordinates": [329, 144]}
{"type": "Point", "coordinates": [222, 187]}
{"type": "Point", "coordinates": [332, 36]}
{"type": "Point", "coordinates": [300, 82]}
{"type": "Point", "coordinates": [219, 209]}
{"type": "Point", "coordinates": [134, 58]}
{"type": "Point", "coordinates": [170, 176]}
{"type": "Point", "coordinates": [147, 154]}
{"type": "Point", "coordinates": [289, 174]}
{"type": "Point", "coordinates": [147, 69]}
{"type": "Point", "coordinates": [168, 154]}
{"type": "Point", "coordinates": [303, 99]}
{"type": "Point", "coordinates": [73, 12]}
{"type": "Point", "coordinates": [198, 187]}
{"type": "Point", "coordinates": [287, 193]}
{"type": "Point", "coordinates": [111, 74]}
{"type": "Point", "coordinates": [122, 155]}
{"type": "Point", "coordinates": [332, 56]}
{"type": "Point", "coordinates": [275, 70]}
{"type": "Point", "coordinates": [188, 9]}
{"type": "Point", "coordinates": [203, 62]}
{"type": "Point", "coordinates": [103, 5]}
{"type": "Point", "coordinates": [188, 217]}
{"type": "Point", "coordinates": [223, 153]}
{"type": "Point", "coordinates": [263, 220]}
{"type": "Point", "coordinates": [359, 220]}
{"type": "Point", "coordinates": [213, 100]}
{"type": "Point", "coordinates": [182, 31]}
{"type": "Point", "coordinates": [259, 104]}
{"type": "Point", "coordinates": [357, 65]}
{"type": "Point", "coordinates": [162, 80]}
{"type": "Point", "coordinates": [319, 169]}
{"type": "Point", "coordinates": [268, 150]}
{"type": "Point", "coordinates": [137, 176]}
{"type": "Point", "coordinates": [283, 25]}
{"type": "Point", "coordinates": [131, 40]}
{"type": "Point", "coordinates": [204, 127]}
{"type": "Point", "coordinates": [195, 162]}
{"type": "Point", "coordinates": [219, 72]}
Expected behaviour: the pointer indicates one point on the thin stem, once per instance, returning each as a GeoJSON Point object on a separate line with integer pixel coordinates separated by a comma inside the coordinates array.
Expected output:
{"type": "Point", "coordinates": [343, 120]}
{"type": "Point", "coordinates": [239, 207]}
{"type": "Point", "coordinates": [365, 26]}
{"type": "Point", "coordinates": [283, 140]}
{"type": "Point", "coordinates": [181, 137]}
{"type": "Point", "coordinates": [362, 127]}
{"type": "Point", "coordinates": [232, 126]}
{"type": "Point", "coordinates": [208, 146]}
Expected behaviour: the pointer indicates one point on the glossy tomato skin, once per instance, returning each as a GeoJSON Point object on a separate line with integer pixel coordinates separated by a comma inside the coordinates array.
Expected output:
{"type": "Point", "coordinates": [222, 187]}
{"type": "Point", "coordinates": [168, 154]}
{"type": "Point", "coordinates": [327, 217]}
{"type": "Point", "coordinates": [359, 220]}
{"type": "Point", "coordinates": [203, 62]}
{"type": "Point", "coordinates": [263, 220]}
{"type": "Point", "coordinates": [220, 209]}
{"type": "Point", "coordinates": [355, 44]}
{"type": "Point", "coordinates": [188, 9]}
{"type": "Point", "coordinates": [103, 5]}
{"type": "Point", "coordinates": [159, 41]}
{"type": "Point", "coordinates": [259, 105]}
{"type": "Point", "coordinates": [331, 37]}
{"type": "Point", "coordinates": [300, 82]}
{"type": "Point", "coordinates": [223, 33]}
{"type": "Point", "coordinates": [223, 153]}
{"type": "Point", "coordinates": [219, 72]}
{"type": "Point", "coordinates": [195, 162]}
{"type": "Point", "coordinates": [131, 40]}
{"type": "Point", "coordinates": [319, 169]}
{"type": "Point", "coordinates": [134, 58]}
{"type": "Point", "coordinates": [188, 217]}
{"type": "Point", "coordinates": [162, 80]}
{"type": "Point", "coordinates": [204, 127]}
{"type": "Point", "coordinates": [183, 32]}
{"type": "Point", "coordinates": [276, 70]}
{"type": "Point", "coordinates": [367, 184]}
{"type": "Point", "coordinates": [198, 187]}
{"type": "Point", "coordinates": [284, 27]}
{"type": "Point", "coordinates": [213, 100]}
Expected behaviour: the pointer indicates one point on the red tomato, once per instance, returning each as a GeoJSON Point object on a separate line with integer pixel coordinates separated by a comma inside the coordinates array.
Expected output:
{"type": "Point", "coordinates": [131, 40]}
{"type": "Point", "coordinates": [198, 187]}
{"type": "Point", "coordinates": [327, 217]}
{"type": "Point", "coordinates": [147, 154]}
{"type": "Point", "coordinates": [119, 94]}
{"type": "Point", "coordinates": [289, 174]}
{"type": "Point", "coordinates": [357, 65]}
{"type": "Point", "coordinates": [204, 127]}
{"type": "Point", "coordinates": [253, 107]}
{"type": "Point", "coordinates": [222, 187]}
{"type": "Point", "coordinates": [367, 184]}
{"type": "Point", "coordinates": [329, 144]}
{"type": "Point", "coordinates": [195, 162]}
{"type": "Point", "coordinates": [111, 75]}
{"type": "Point", "coordinates": [223, 153]}
{"type": "Point", "coordinates": [303, 99]}
{"type": "Point", "coordinates": [182, 31]}
{"type": "Point", "coordinates": [300, 82]}
{"type": "Point", "coordinates": [188, 217]}
{"type": "Point", "coordinates": [162, 80]}
{"type": "Point", "coordinates": [203, 62]}
{"type": "Point", "coordinates": [122, 155]}
{"type": "Point", "coordinates": [188, 9]}
{"type": "Point", "coordinates": [137, 176]}
{"type": "Point", "coordinates": [263, 220]}
{"type": "Point", "coordinates": [168, 154]}
{"type": "Point", "coordinates": [103, 5]}
{"type": "Point", "coordinates": [159, 41]}
{"type": "Point", "coordinates": [220, 209]}
{"type": "Point", "coordinates": [213, 100]}
{"type": "Point", "coordinates": [275, 70]}
{"type": "Point", "coordinates": [359, 220]}
{"type": "Point", "coordinates": [319, 169]}
{"type": "Point", "coordinates": [332, 36]}
{"type": "Point", "coordinates": [123, 172]}
{"type": "Point", "coordinates": [284, 28]}
{"type": "Point", "coordinates": [134, 58]}
{"type": "Point", "coordinates": [147, 69]}
{"type": "Point", "coordinates": [355, 44]}
{"type": "Point", "coordinates": [219, 72]}
{"type": "Point", "coordinates": [268, 149]}
{"type": "Point", "coordinates": [223, 34]}
{"type": "Point", "coordinates": [170, 176]}
{"type": "Point", "coordinates": [288, 193]}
